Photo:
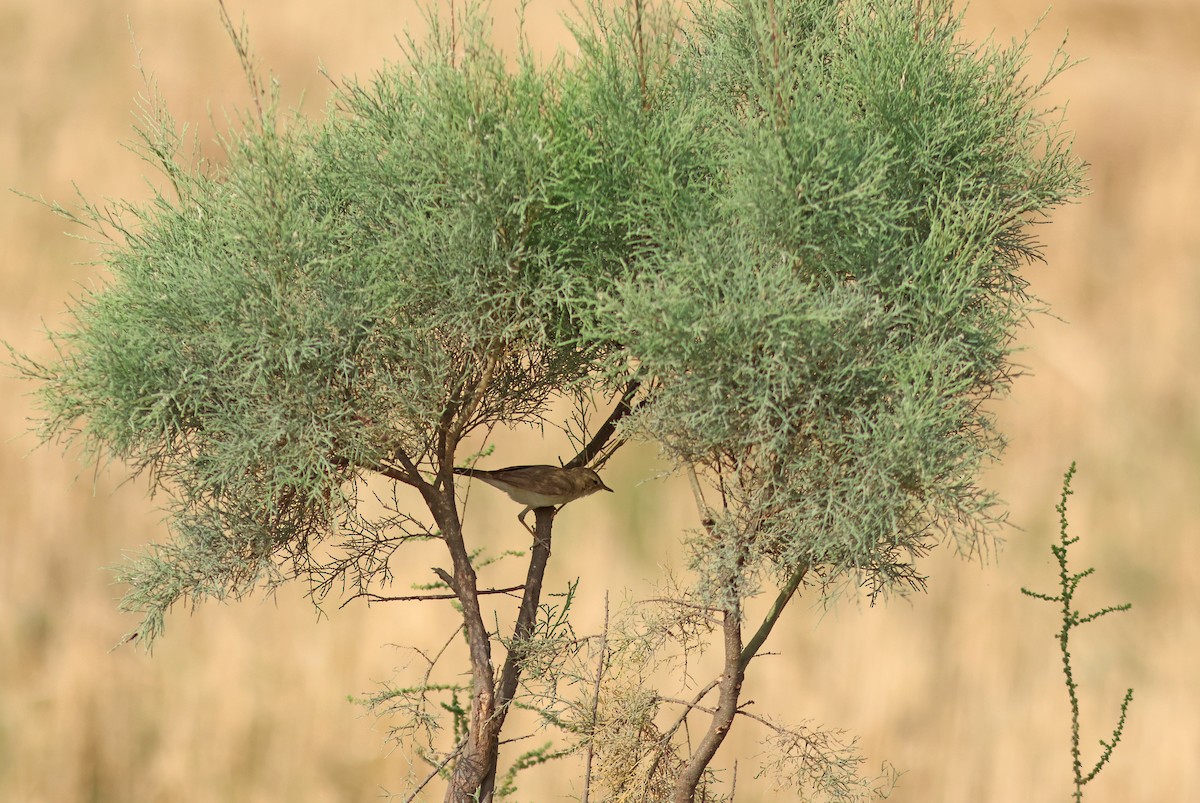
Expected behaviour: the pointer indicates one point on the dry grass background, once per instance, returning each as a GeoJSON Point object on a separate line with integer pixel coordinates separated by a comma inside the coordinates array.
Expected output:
{"type": "Point", "coordinates": [958, 688]}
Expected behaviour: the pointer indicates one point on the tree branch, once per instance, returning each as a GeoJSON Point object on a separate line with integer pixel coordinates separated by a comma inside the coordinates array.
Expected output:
{"type": "Point", "coordinates": [768, 623]}
{"type": "Point", "coordinates": [679, 603]}
{"type": "Point", "coordinates": [410, 474]}
{"type": "Point", "coordinates": [730, 683]}
{"type": "Point", "coordinates": [423, 597]}
{"type": "Point", "coordinates": [434, 772]}
{"type": "Point", "coordinates": [591, 746]}
{"type": "Point", "coordinates": [665, 739]}
{"type": "Point", "coordinates": [475, 775]}
{"type": "Point", "coordinates": [391, 472]}
{"type": "Point", "coordinates": [596, 445]}
{"type": "Point", "coordinates": [730, 687]}
{"type": "Point", "coordinates": [475, 399]}
{"type": "Point", "coordinates": [478, 757]}
{"type": "Point", "coordinates": [510, 673]}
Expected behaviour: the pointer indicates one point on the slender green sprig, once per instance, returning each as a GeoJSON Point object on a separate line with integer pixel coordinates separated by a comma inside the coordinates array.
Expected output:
{"type": "Point", "coordinates": [1068, 583]}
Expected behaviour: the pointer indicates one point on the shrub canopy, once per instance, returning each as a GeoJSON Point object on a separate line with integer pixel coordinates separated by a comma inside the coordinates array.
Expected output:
{"type": "Point", "coordinates": [798, 225]}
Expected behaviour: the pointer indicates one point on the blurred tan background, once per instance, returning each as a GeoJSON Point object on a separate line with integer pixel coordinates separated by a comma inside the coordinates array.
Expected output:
{"type": "Point", "coordinates": [960, 689]}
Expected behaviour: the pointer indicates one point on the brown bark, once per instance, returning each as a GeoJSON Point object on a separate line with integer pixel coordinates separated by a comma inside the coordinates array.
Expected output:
{"type": "Point", "coordinates": [474, 775]}
{"type": "Point", "coordinates": [729, 690]}
{"type": "Point", "coordinates": [479, 752]}
{"type": "Point", "coordinates": [510, 673]}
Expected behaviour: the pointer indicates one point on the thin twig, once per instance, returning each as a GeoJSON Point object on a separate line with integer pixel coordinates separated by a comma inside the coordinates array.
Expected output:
{"type": "Point", "coordinates": [469, 406]}
{"type": "Point", "coordinates": [706, 517]}
{"type": "Point", "coordinates": [587, 777]}
{"type": "Point", "coordinates": [391, 472]}
{"type": "Point", "coordinates": [665, 739]}
{"type": "Point", "coordinates": [596, 445]}
{"type": "Point", "coordinates": [430, 665]}
{"type": "Point", "coordinates": [741, 712]}
{"type": "Point", "coordinates": [679, 603]}
{"type": "Point", "coordinates": [438, 656]}
{"type": "Point", "coordinates": [423, 597]}
{"type": "Point", "coordinates": [690, 706]}
{"type": "Point", "coordinates": [434, 772]}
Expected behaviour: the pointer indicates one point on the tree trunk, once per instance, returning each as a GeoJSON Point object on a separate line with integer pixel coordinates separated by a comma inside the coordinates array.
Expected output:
{"type": "Point", "coordinates": [474, 776]}
{"type": "Point", "coordinates": [510, 674]}
{"type": "Point", "coordinates": [730, 689]}
{"type": "Point", "coordinates": [478, 754]}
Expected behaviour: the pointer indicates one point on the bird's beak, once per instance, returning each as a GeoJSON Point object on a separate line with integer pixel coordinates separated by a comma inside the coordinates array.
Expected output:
{"type": "Point", "coordinates": [606, 488]}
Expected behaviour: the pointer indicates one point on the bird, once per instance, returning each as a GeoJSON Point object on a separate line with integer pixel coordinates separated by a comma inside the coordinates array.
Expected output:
{"type": "Point", "coordinates": [540, 486]}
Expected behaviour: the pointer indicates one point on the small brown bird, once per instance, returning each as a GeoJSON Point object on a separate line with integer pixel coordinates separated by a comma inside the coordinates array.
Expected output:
{"type": "Point", "coordinates": [540, 486]}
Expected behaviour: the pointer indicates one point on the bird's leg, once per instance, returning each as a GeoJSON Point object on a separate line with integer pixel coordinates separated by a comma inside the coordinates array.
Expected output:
{"type": "Point", "coordinates": [521, 518]}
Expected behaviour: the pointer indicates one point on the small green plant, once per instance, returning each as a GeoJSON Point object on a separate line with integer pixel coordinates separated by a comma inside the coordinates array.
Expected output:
{"type": "Point", "coordinates": [1068, 583]}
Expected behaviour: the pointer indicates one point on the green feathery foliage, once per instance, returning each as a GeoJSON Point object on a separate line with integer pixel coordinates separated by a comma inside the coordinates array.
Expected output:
{"type": "Point", "coordinates": [823, 327]}
{"type": "Point", "coordinates": [789, 232]}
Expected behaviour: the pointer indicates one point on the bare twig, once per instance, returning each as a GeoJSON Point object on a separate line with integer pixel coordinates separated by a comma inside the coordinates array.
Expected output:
{"type": "Point", "coordinates": [702, 508]}
{"type": "Point", "coordinates": [666, 738]}
{"type": "Point", "coordinates": [587, 776]}
{"type": "Point", "coordinates": [470, 405]}
{"type": "Point", "coordinates": [391, 472]}
{"type": "Point", "coordinates": [423, 597]}
{"type": "Point", "coordinates": [679, 603]}
{"type": "Point", "coordinates": [600, 440]}
{"type": "Point", "coordinates": [434, 772]}
{"type": "Point", "coordinates": [690, 706]}
{"type": "Point", "coordinates": [438, 656]}
{"type": "Point", "coordinates": [741, 712]}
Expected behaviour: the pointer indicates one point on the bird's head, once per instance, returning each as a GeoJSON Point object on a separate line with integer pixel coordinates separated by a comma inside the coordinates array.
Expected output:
{"type": "Point", "coordinates": [590, 481]}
